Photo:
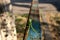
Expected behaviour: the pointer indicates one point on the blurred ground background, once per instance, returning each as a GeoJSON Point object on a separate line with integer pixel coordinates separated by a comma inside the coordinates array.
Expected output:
{"type": "Point", "coordinates": [49, 9]}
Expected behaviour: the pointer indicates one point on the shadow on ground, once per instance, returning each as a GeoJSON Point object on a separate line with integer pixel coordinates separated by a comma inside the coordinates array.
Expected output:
{"type": "Point", "coordinates": [56, 3]}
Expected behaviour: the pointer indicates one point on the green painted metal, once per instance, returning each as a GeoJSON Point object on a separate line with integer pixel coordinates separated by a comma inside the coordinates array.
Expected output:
{"type": "Point", "coordinates": [33, 27]}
